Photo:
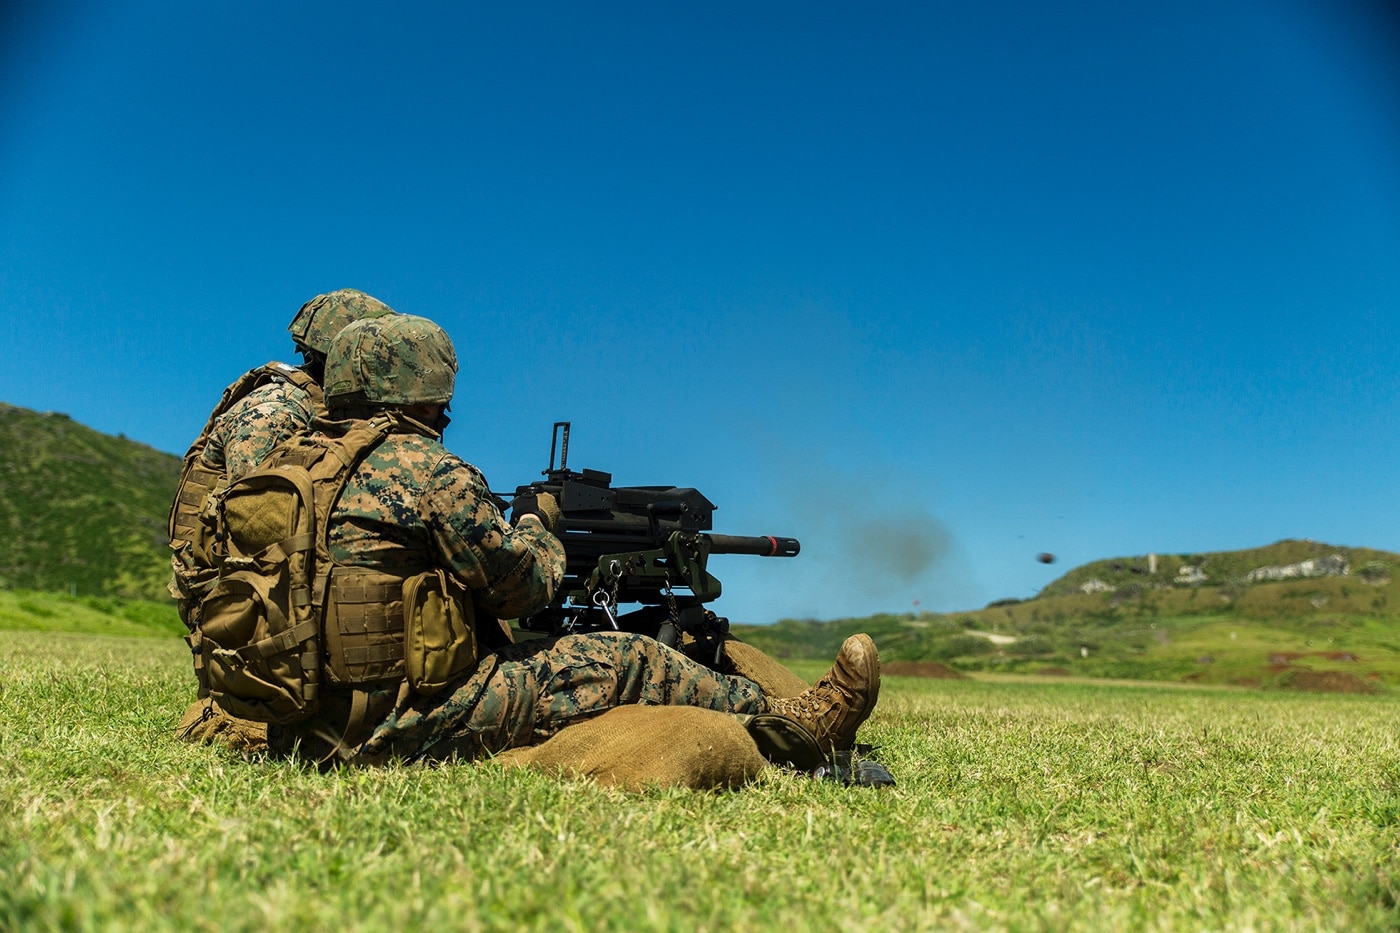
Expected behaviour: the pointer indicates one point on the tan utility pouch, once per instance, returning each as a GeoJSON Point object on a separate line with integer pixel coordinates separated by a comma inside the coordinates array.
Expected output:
{"type": "Point", "coordinates": [257, 662]}
{"type": "Point", "coordinates": [189, 584]}
{"type": "Point", "coordinates": [439, 630]}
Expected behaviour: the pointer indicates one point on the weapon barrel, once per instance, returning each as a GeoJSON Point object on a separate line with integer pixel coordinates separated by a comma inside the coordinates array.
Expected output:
{"type": "Point", "coordinates": [761, 545]}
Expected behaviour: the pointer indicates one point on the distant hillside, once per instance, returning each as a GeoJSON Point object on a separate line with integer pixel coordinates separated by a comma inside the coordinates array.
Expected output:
{"type": "Point", "coordinates": [81, 511]}
{"type": "Point", "coordinates": [1219, 569]}
{"type": "Point", "coordinates": [1293, 614]}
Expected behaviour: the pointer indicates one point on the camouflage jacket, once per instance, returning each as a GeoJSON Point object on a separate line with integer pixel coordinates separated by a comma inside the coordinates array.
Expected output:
{"type": "Point", "coordinates": [413, 504]}
{"type": "Point", "coordinates": [243, 436]}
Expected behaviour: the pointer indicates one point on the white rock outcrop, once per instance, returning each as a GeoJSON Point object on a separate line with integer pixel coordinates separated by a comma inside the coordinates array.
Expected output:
{"type": "Point", "coordinates": [1333, 565]}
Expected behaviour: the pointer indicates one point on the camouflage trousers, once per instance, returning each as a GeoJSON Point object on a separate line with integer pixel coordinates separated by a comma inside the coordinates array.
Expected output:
{"type": "Point", "coordinates": [526, 692]}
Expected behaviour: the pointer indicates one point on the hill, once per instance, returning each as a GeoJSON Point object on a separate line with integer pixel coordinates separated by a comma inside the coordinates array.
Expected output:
{"type": "Point", "coordinates": [80, 511]}
{"type": "Point", "coordinates": [1222, 568]}
{"type": "Point", "coordinates": [1297, 614]}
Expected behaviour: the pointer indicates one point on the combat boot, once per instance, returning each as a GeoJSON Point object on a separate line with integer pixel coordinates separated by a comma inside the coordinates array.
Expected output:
{"type": "Point", "coordinates": [834, 709]}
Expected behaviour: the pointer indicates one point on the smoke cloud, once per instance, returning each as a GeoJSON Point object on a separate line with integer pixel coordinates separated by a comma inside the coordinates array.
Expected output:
{"type": "Point", "coordinates": [901, 549]}
{"type": "Point", "coordinates": [863, 552]}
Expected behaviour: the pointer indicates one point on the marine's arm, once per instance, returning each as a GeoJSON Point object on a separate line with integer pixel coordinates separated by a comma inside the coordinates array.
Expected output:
{"type": "Point", "coordinates": [513, 570]}
{"type": "Point", "coordinates": [244, 435]}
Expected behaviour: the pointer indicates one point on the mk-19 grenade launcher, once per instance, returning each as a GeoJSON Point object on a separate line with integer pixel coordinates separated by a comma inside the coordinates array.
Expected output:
{"type": "Point", "coordinates": [643, 545]}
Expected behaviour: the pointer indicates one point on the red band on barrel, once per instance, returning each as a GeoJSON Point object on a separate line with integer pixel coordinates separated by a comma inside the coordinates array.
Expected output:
{"type": "Point", "coordinates": [773, 541]}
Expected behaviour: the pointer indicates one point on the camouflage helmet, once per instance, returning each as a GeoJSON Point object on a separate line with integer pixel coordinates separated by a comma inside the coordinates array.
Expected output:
{"type": "Point", "coordinates": [398, 359]}
{"type": "Point", "coordinates": [321, 318]}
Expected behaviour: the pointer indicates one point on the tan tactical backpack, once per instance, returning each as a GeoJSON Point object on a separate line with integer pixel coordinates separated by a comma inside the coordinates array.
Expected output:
{"type": "Point", "coordinates": [192, 561]}
{"type": "Point", "coordinates": [282, 620]}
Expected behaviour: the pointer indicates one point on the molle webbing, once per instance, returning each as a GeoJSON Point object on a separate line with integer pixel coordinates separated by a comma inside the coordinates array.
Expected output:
{"type": "Point", "coordinates": [364, 626]}
{"type": "Point", "coordinates": [195, 486]}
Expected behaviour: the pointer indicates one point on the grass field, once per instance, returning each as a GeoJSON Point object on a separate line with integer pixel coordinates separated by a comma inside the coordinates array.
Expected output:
{"type": "Point", "coordinates": [22, 610]}
{"type": "Point", "coordinates": [1019, 806]}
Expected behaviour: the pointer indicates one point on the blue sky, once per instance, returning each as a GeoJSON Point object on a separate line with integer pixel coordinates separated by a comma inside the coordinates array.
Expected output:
{"type": "Point", "coordinates": [932, 287]}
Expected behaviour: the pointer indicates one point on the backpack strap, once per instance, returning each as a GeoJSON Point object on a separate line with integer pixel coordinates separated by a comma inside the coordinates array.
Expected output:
{"type": "Point", "coordinates": [332, 473]}
{"type": "Point", "coordinates": [343, 455]}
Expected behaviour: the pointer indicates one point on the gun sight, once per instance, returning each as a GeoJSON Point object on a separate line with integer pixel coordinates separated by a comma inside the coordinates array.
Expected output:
{"type": "Point", "coordinates": [554, 442]}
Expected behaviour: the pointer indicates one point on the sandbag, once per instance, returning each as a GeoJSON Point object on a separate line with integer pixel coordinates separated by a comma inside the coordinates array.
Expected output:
{"type": "Point", "coordinates": [635, 746]}
{"type": "Point", "coordinates": [772, 678]}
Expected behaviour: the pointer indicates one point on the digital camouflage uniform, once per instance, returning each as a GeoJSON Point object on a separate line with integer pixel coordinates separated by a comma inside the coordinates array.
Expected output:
{"type": "Point", "coordinates": [412, 504]}
{"type": "Point", "coordinates": [243, 436]}
{"type": "Point", "coordinates": [530, 690]}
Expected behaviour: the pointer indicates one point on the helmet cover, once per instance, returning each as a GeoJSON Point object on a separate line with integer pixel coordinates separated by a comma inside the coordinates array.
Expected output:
{"type": "Point", "coordinates": [397, 359]}
{"type": "Point", "coordinates": [324, 316]}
